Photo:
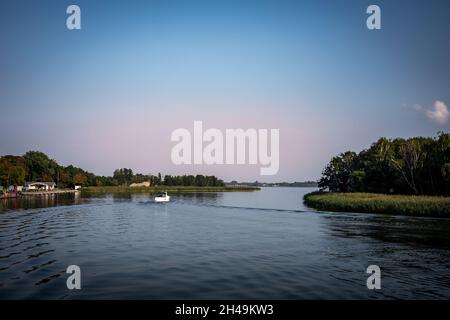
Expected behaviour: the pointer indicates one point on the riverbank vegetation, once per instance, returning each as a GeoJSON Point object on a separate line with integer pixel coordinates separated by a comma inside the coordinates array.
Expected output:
{"type": "Point", "coordinates": [415, 166]}
{"type": "Point", "coordinates": [37, 166]}
{"type": "Point", "coordinates": [410, 205]}
{"type": "Point", "coordinates": [400, 176]}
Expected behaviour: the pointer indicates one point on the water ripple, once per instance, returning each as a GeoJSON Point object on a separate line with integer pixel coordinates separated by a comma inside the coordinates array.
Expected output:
{"type": "Point", "coordinates": [218, 246]}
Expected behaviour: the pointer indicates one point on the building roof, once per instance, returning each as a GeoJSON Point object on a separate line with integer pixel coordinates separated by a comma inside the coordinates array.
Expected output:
{"type": "Point", "coordinates": [50, 184]}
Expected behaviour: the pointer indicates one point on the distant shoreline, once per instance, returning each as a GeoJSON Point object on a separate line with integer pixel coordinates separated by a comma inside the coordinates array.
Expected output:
{"type": "Point", "coordinates": [304, 184]}
{"type": "Point", "coordinates": [173, 189]}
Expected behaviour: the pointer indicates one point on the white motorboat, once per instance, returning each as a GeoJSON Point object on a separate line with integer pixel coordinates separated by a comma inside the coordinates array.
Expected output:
{"type": "Point", "coordinates": [162, 197]}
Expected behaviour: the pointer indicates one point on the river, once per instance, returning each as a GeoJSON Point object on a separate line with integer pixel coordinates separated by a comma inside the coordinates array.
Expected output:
{"type": "Point", "coordinates": [236, 245]}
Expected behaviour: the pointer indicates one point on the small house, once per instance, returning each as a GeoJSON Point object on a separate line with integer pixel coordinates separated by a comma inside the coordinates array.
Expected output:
{"type": "Point", "coordinates": [142, 184]}
{"type": "Point", "coordinates": [41, 186]}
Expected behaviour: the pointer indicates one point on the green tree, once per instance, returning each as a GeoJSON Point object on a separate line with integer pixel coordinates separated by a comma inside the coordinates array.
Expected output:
{"type": "Point", "coordinates": [80, 179]}
{"type": "Point", "coordinates": [338, 173]}
{"type": "Point", "coordinates": [12, 171]}
{"type": "Point", "coordinates": [40, 166]}
{"type": "Point", "coordinates": [418, 165]}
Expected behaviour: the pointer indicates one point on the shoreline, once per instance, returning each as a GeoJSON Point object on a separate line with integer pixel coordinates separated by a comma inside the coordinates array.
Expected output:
{"type": "Point", "coordinates": [44, 193]}
{"type": "Point", "coordinates": [38, 193]}
{"type": "Point", "coordinates": [405, 205]}
{"type": "Point", "coordinates": [173, 189]}
{"type": "Point", "coordinates": [115, 189]}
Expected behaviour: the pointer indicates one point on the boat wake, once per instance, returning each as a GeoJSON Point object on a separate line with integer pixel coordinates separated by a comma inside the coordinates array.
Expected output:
{"type": "Point", "coordinates": [251, 208]}
{"type": "Point", "coordinates": [210, 205]}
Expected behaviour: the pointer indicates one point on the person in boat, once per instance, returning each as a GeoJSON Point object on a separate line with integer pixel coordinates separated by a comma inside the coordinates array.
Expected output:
{"type": "Point", "coordinates": [161, 195]}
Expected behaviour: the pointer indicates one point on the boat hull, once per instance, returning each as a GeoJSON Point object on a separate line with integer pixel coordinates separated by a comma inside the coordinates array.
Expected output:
{"type": "Point", "coordinates": [162, 199]}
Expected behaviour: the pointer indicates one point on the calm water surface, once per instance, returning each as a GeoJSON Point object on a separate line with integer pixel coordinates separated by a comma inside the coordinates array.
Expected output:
{"type": "Point", "coordinates": [258, 245]}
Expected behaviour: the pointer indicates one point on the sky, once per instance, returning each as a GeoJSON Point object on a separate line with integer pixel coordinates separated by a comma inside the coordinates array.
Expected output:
{"type": "Point", "coordinates": [110, 95]}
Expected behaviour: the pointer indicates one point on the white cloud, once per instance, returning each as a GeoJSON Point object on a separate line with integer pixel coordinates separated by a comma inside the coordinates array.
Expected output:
{"type": "Point", "coordinates": [438, 114]}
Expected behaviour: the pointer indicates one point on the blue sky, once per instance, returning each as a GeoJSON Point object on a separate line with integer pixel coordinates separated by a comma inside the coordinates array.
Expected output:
{"type": "Point", "coordinates": [110, 94]}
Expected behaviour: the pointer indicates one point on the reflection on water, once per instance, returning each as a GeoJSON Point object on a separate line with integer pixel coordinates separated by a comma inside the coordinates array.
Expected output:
{"type": "Point", "coordinates": [264, 244]}
{"type": "Point", "coordinates": [406, 230]}
{"type": "Point", "coordinates": [43, 201]}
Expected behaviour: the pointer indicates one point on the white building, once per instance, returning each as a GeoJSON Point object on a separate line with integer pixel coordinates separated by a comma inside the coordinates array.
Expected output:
{"type": "Point", "coordinates": [142, 184]}
{"type": "Point", "coordinates": [44, 186]}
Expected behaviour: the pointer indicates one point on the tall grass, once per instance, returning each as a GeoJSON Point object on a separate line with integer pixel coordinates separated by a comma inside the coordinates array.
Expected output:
{"type": "Point", "coordinates": [426, 206]}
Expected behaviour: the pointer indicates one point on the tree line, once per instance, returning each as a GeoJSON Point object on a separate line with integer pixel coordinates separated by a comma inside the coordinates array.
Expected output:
{"type": "Point", "coordinates": [419, 166]}
{"type": "Point", "coordinates": [125, 176]}
{"type": "Point", "coordinates": [37, 166]}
